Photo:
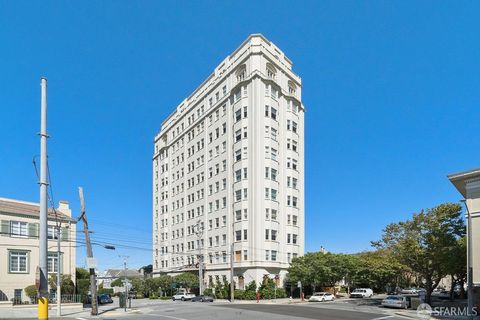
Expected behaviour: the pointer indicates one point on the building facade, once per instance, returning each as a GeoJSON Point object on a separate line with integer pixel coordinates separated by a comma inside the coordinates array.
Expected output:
{"type": "Point", "coordinates": [468, 184]}
{"type": "Point", "coordinates": [228, 171]}
{"type": "Point", "coordinates": [19, 245]}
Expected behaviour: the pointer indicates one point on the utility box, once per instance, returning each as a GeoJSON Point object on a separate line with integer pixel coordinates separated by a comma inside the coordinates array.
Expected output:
{"type": "Point", "coordinates": [122, 300]}
{"type": "Point", "coordinates": [415, 302]}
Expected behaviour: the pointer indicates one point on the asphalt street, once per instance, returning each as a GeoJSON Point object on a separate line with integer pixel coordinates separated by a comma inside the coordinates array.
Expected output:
{"type": "Point", "coordinates": [178, 310]}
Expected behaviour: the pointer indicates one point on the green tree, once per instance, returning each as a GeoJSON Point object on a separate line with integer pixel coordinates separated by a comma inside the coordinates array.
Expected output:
{"type": "Point", "coordinates": [67, 285]}
{"type": "Point", "coordinates": [117, 282]}
{"type": "Point", "coordinates": [321, 269]}
{"type": "Point", "coordinates": [164, 283]}
{"type": "Point", "coordinates": [426, 243]}
{"type": "Point", "coordinates": [187, 280]}
{"type": "Point", "coordinates": [378, 270]}
{"type": "Point", "coordinates": [82, 278]}
{"type": "Point", "coordinates": [457, 266]}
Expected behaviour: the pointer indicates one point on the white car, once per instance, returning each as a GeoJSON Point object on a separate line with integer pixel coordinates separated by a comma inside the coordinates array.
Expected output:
{"type": "Point", "coordinates": [395, 301]}
{"type": "Point", "coordinates": [409, 291]}
{"type": "Point", "coordinates": [361, 293]}
{"type": "Point", "coordinates": [321, 297]}
{"type": "Point", "coordinates": [183, 296]}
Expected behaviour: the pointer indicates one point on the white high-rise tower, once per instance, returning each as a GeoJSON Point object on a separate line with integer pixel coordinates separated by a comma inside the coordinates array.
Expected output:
{"type": "Point", "coordinates": [229, 161]}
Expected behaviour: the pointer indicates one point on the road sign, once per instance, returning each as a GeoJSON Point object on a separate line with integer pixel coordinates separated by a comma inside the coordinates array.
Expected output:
{"type": "Point", "coordinates": [37, 278]}
{"type": "Point", "coordinates": [91, 263]}
{"type": "Point", "coordinates": [174, 285]}
{"type": "Point", "coordinates": [299, 284]}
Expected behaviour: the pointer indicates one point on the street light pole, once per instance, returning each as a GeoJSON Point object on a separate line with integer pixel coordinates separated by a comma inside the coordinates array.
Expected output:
{"type": "Point", "coordinates": [469, 260]}
{"type": "Point", "coordinates": [43, 245]}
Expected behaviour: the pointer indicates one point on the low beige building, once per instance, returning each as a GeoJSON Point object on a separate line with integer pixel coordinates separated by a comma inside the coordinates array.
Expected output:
{"type": "Point", "coordinates": [468, 184]}
{"type": "Point", "coordinates": [19, 245]}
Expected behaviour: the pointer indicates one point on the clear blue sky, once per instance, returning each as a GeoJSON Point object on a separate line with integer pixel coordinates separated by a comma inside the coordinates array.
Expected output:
{"type": "Point", "coordinates": [391, 88]}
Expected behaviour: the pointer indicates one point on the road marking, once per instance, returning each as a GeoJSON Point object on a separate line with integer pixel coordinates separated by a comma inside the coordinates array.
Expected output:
{"type": "Point", "coordinates": [381, 318]}
{"type": "Point", "coordinates": [81, 318]}
{"type": "Point", "coordinates": [161, 315]}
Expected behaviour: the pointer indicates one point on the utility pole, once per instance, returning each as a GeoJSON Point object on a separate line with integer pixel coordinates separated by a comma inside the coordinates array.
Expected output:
{"type": "Point", "coordinates": [42, 277]}
{"type": "Point", "coordinates": [59, 280]}
{"type": "Point", "coordinates": [93, 282]}
{"type": "Point", "coordinates": [199, 232]}
{"type": "Point", "coordinates": [125, 281]}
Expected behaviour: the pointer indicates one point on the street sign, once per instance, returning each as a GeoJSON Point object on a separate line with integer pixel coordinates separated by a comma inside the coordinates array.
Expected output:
{"type": "Point", "coordinates": [37, 278]}
{"type": "Point", "coordinates": [174, 285]}
{"type": "Point", "coordinates": [91, 263]}
{"type": "Point", "coordinates": [299, 284]}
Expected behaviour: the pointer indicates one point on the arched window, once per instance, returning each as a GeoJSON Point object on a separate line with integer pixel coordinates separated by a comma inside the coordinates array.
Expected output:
{"type": "Point", "coordinates": [292, 88]}
{"type": "Point", "coordinates": [241, 73]}
{"type": "Point", "coordinates": [271, 71]}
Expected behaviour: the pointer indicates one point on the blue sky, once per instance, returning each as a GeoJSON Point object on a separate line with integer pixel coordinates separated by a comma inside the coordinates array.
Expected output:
{"type": "Point", "coordinates": [391, 90]}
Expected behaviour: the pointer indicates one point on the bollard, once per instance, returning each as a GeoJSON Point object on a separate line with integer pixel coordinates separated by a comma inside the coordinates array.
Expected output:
{"type": "Point", "coordinates": [42, 308]}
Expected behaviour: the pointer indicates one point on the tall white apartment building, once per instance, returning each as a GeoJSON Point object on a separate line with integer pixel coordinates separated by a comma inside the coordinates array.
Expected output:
{"type": "Point", "coordinates": [228, 167]}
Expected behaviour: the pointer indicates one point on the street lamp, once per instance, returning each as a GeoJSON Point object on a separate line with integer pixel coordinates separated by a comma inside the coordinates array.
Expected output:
{"type": "Point", "coordinates": [469, 259]}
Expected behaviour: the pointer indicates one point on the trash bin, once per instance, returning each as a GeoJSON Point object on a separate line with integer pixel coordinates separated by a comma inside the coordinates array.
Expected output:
{"type": "Point", "coordinates": [121, 300]}
{"type": "Point", "coordinates": [415, 302]}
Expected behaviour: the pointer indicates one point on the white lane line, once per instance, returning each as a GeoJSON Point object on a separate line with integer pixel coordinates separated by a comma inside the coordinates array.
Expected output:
{"type": "Point", "coordinates": [164, 316]}
{"type": "Point", "coordinates": [81, 318]}
{"type": "Point", "coordinates": [381, 318]}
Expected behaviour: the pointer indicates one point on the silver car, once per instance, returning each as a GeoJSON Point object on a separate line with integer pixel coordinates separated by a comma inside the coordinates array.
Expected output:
{"type": "Point", "coordinates": [395, 302]}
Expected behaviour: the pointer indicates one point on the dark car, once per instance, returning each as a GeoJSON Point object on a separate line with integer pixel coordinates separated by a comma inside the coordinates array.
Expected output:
{"type": "Point", "coordinates": [104, 299]}
{"type": "Point", "coordinates": [202, 298]}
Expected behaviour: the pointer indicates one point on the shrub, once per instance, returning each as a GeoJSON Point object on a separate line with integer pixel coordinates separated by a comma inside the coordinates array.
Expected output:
{"type": "Point", "coordinates": [31, 291]}
{"type": "Point", "coordinates": [105, 291]}
{"type": "Point", "coordinates": [166, 298]}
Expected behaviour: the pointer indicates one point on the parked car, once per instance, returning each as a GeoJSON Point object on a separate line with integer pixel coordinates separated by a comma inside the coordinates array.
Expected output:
{"type": "Point", "coordinates": [321, 297]}
{"type": "Point", "coordinates": [104, 299]}
{"type": "Point", "coordinates": [396, 301]}
{"type": "Point", "coordinates": [409, 291]}
{"type": "Point", "coordinates": [183, 296]}
{"type": "Point", "coordinates": [202, 298]}
{"type": "Point", "coordinates": [361, 293]}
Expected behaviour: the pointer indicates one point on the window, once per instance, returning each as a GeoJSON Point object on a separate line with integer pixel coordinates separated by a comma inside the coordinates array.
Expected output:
{"type": "Point", "coordinates": [273, 112]}
{"type": "Point", "coordinates": [238, 135]}
{"type": "Point", "coordinates": [238, 115]}
{"type": "Point", "coordinates": [238, 235]}
{"type": "Point", "coordinates": [52, 262]}
{"type": "Point", "coordinates": [274, 194]}
{"type": "Point", "coordinates": [238, 195]}
{"type": "Point", "coordinates": [52, 232]}
{"type": "Point", "coordinates": [238, 215]}
{"type": "Point", "coordinates": [245, 255]}
{"type": "Point", "coordinates": [273, 175]}
{"type": "Point", "coordinates": [274, 255]}
{"type": "Point", "coordinates": [245, 112]}
{"type": "Point", "coordinates": [267, 255]}
{"type": "Point", "coordinates": [267, 233]}
{"type": "Point", "coordinates": [18, 261]}
{"type": "Point", "coordinates": [18, 229]}
{"type": "Point", "coordinates": [294, 220]}
{"type": "Point", "coordinates": [245, 233]}
{"type": "Point", "coordinates": [294, 238]}
{"type": "Point", "coordinates": [294, 202]}
{"type": "Point", "coordinates": [238, 175]}
{"type": "Point", "coordinates": [267, 112]}
{"type": "Point", "coordinates": [238, 155]}
{"type": "Point", "coordinates": [289, 237]}
{"type": "Point", "coordinates": [274, 214]}
{"type": "Point", "coordinates": [274, 235]}
{"type": "Point", "coordinates": [224, 90]}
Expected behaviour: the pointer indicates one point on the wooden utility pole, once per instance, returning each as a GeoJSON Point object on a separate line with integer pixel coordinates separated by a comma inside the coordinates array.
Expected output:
{"type": "Point", "coordinates": [93, 280]}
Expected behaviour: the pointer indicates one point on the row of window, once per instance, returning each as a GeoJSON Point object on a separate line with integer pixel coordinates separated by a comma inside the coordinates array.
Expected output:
{"type": "Point", "coordinates": [18, 261]}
